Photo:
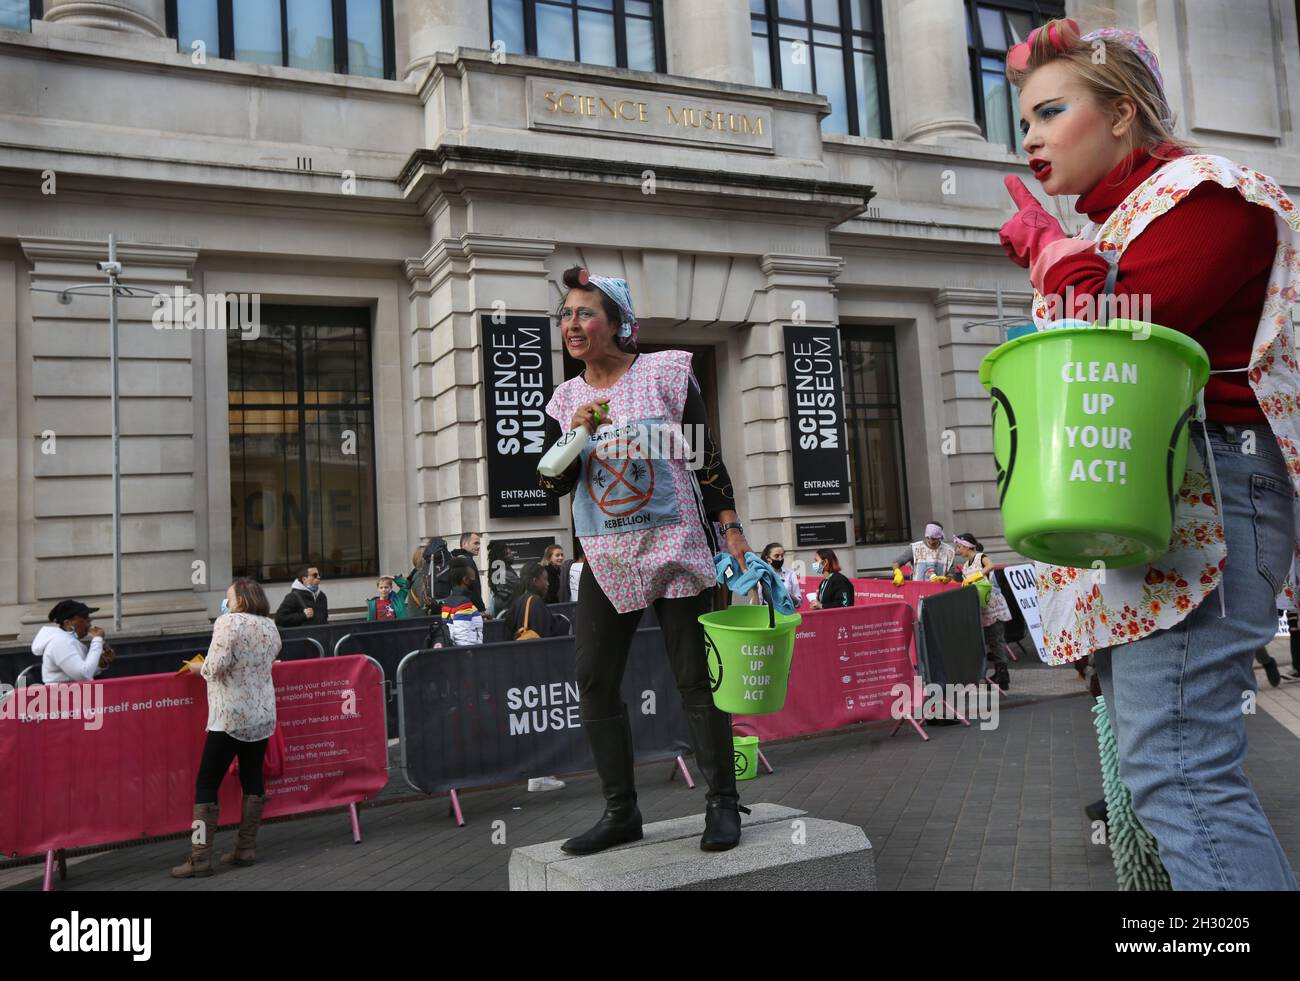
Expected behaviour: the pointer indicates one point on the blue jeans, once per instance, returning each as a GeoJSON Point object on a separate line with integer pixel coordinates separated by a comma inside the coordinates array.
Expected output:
{"type": "Point", "coordinates": [1176, 697]}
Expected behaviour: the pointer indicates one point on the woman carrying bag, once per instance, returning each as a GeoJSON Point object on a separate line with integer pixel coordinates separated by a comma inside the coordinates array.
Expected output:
{"type": "Point", "coordinates": [529, 618]}
{"type": "Point", "coordinates": [1213, 249]}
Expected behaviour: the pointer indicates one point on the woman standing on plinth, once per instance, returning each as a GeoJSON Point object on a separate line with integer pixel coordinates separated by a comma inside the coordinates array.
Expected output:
{"type": "Point", "coordinates": [645, 513]}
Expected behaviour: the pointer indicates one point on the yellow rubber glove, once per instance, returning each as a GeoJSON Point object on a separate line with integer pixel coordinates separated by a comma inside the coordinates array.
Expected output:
{"type": "Point", "coordinates": [970, 579]}
{"type": "Point", "coordinates": [940, 579]}
{"type": "Point", "coordinates": [898, 577]}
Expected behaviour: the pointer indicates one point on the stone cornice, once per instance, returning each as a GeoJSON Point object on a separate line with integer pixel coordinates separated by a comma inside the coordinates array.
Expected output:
{"type": "Point", "coordinates": [463, 60]}
{"type": "Point", "coordinates": [776, 263]}
{"type": "Point", "coordinates": [446, 160]}
{"type": "Point", "coordinates": [40, 248]}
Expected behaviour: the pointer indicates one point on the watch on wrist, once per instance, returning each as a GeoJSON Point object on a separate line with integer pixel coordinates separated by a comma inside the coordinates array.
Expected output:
{"type": "Point", "coordinates": [733, 524]}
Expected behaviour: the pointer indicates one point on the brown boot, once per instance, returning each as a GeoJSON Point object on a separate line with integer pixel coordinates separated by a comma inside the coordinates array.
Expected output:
{"type": "Point", "coordinates": [199, 864]}
{"type": "Point", "coordinates": [250, 820]}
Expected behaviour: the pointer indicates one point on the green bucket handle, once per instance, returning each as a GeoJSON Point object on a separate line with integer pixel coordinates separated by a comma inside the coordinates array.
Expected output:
{"type": "Point", "coordinates": [771, 603]}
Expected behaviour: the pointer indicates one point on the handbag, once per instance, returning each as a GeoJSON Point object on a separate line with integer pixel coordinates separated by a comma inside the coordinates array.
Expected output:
{"type": "Point", "coordinates": [523, 633]}
{"type": "Point", "coordinates": [272, 762]}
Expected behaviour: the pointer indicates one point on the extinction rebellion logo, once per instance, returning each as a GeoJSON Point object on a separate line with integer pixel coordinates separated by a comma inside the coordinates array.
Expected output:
{"type": "Point", "coordinates": [714, 661]}
{"type": "Point", "coordinates": [621, 480]}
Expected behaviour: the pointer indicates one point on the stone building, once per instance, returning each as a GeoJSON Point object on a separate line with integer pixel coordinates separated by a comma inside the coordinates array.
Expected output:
{"type": "Point", "coordinates": [391, 180]}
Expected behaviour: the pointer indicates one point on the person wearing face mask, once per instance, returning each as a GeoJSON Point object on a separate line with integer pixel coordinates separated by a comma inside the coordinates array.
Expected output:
{"type": "Point", "coordinates": [1212, 248]}
{"type": "Point", "coordinates": [929, 557]}
{"type": "Point", "coordinates": [241, 720]}
{"type": "Point", "coordinates": [835, 589]}
{"type": "Point", "coordinates": [65, 654]}
{"type": "Point", "coordinates": [774, 555]}
{"type": "Point", "coordinates": [305, 602]}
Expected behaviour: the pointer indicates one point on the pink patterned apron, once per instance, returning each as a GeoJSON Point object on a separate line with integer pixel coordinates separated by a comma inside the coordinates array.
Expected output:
{"type": "Point", "coordinates": [637, 507]}
{"type": "Point", "coordinates": [1083, 610]}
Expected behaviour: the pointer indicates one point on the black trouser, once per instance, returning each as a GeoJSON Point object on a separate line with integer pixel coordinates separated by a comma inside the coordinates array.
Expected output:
{"type": "Point", "coordinates": [1293, 623]}
{"type": "Point", "coordinates": [218, 751]}
{"type": "Point", "coordinates": [995, 640]}
{"type": "Point", "coordinates": [602, 637]}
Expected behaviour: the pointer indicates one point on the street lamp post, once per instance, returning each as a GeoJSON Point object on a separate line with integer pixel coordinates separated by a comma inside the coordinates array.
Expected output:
{"type": "Point", "coordinates": [113, 270]}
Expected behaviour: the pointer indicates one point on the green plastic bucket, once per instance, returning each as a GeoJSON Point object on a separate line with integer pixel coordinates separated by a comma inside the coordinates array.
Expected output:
{"type": "Point", "coordinates": [1090, 430]}
{"type": "Point", "coordinates": [984, 588]}
{"type": "Point", "coordinates": [749, 649]}
{"type": "Point", "coordinates": [745, 755]}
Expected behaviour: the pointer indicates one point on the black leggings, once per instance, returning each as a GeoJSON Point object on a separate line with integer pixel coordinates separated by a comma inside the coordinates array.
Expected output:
{"type": "Point", "coordinates": [218, 751]}
{"type": "Point", "coordinates": [602, 637]}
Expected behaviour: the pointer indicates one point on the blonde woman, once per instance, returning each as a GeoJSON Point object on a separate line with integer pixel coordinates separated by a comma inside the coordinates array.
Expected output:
{"type": "Point", "coordinates": [1214, 248]}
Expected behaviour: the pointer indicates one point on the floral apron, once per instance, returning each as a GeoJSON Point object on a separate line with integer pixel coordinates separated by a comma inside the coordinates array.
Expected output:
{"type": "Point", "coordinates": [927, 561]}
{"type": "Point", "coordinates": [637, 507]}
{"type": "Point", "coordinates": [1083, 610]}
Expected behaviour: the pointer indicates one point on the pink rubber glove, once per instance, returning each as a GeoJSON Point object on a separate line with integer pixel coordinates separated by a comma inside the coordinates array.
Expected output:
{"type": "Point", "coordinates": [1031, 230]}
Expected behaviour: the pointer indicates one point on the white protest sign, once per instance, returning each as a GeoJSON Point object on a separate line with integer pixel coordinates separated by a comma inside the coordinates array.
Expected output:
{"type": "Point", "coordinates": [1024, 585]}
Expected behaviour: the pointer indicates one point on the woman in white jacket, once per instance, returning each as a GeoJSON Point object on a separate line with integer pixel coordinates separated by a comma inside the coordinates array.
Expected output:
{"type": "Point", "coordinates": [241, 719]}
{"type": "Point", "coordinates": [65, 657]}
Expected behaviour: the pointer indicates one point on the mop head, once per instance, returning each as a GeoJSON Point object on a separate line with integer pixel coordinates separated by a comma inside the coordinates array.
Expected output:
{"type": "Point", "coordinates": [1132, 849]}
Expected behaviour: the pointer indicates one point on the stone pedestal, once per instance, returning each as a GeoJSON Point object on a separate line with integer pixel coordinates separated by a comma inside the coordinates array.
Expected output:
{"type": "Point", "coordinates": [780, 849]}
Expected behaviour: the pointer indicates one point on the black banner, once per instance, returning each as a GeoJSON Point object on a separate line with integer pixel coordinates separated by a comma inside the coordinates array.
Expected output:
{"type": "Point", "coordinates": [821, 533]}
{"type": "Point", "coordinates": [950, 638]}
{"type": "Point", "coordinates": [817, 441]}
{"type": "Point", "coordinates": [480, 716]}
{"type": "Point", "coordinates": [516, 388]}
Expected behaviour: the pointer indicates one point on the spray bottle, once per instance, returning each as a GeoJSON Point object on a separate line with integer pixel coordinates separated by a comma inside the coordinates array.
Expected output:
{"type": "Point", "coordinates": [569, 447]}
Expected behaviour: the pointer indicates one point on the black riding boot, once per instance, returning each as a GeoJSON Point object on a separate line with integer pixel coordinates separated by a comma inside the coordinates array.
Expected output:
{"type": "Point", "coordinates": [611, 744]}
{"type": "Point", "coordinates": [711, 738]}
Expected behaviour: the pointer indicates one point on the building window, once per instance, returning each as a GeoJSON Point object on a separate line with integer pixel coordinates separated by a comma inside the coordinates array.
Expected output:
{"type": "Point", "coordinates": [874, 424]}
{"type": "Point", "coordinates": [17, 15]}
{"type": "Point", "coordinates": [832, 47]}
{"type": "Point", "coordinates": [349, 37]}
{"type": "Point", "coordinates": [302, 457]}
{"type": "Point", "coordinates": [991, 28]}
{"type": "Point", "coordinates": [617, 33]}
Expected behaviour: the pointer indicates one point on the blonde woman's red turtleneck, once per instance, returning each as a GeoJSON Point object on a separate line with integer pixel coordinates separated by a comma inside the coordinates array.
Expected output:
{"type": "Point", "coordinates": [1205, 265]}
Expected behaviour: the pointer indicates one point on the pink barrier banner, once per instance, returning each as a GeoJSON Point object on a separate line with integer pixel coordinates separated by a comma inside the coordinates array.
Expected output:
{"type": "Point", "coordinates": [868, 591]}
{"type": "Point", "coordinates": [84, 767]}
{"type": "Point", "coordinates": [846, 663]}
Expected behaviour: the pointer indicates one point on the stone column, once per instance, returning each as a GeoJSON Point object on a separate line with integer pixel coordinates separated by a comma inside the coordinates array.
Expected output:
{"type": "Point", "coordinates": [67, 431]}
{"type": "Point", "coordinates": [796, 286]}
{"type": "Point", "coordinates": [452, 286]}
{"type": "Point", "coordinates": [709, 40]}
{"type": "Point", "coordinates": [930, 71]}
{"type": "Point", "coordinates": [147, 17]}
{"type": "Point", "coordinates": [425, 27]}
{"type": "Point", "coordinates": [966, 443]}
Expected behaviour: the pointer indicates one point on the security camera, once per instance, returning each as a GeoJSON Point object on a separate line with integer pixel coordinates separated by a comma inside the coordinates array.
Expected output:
{"type": "Point", "coordinates": [112, 268]}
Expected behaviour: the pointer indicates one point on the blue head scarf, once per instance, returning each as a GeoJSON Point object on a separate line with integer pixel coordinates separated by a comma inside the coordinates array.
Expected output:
{"type": "Point", "coordinates": [618, 291]}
